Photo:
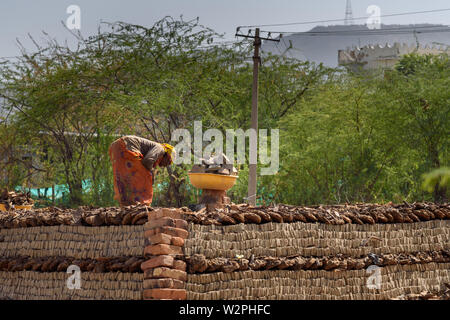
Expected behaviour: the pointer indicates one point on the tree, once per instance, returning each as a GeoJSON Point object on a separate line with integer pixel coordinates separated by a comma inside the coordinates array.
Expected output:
{"type": "Point", "coordinates": [420, 98]}
{"type": "Point", "coordinates": [167, 77]}
{"type": "Point", "coordinates": [344, 137]}
{"type": "Point", "coordinates": [59, 101]}
{"type": "Point", "coordinates": [331, 149]}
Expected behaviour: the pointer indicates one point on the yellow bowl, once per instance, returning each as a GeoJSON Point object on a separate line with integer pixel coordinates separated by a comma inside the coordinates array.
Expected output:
{"type": "Point", "coordinates": [212, 181]}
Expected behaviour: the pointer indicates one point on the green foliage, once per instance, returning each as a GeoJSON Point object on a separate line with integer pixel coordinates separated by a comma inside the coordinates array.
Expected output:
{"type": "Point", "coordinates": [59, 104]}
{"type": "Point", "coordinates": [412, 63]}
{"type": "Point", "coordinates": [368, 138]}
{"type": "Point", "coordinates": [417, 114]}
{"type": "Point", "coordinates": [330, 146]}
{"type": "Point", "coordinates": [343, 137]}
{"type": "Point", "coordinates": [439, 178]}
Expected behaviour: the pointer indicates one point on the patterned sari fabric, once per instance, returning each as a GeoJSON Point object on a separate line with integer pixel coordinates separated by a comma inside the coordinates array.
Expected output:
{"type": "Point", "coordinates": [132, 181]}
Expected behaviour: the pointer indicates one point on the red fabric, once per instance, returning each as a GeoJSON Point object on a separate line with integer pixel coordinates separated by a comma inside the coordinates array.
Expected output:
{"type": "Point", "coordinates": [132, 181]}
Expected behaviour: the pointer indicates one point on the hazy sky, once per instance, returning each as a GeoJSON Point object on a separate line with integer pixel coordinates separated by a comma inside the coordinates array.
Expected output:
{"type": "Point", "coordinates": [19, 17]}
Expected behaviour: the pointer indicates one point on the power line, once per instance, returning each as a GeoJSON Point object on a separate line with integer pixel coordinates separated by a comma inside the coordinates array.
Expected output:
{"type": "Point", "coordinates": [338, 20]}
{"type": "Point", "coordinates": [401, 30]}
{"type": "Point", "coordinates": [219, 43]}
{"type": "Point", "coordinates": [225, 43]}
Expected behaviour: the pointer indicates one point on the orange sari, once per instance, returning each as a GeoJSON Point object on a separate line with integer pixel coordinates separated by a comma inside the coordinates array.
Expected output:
{"type": "Point", "coordinates": [132, 181]}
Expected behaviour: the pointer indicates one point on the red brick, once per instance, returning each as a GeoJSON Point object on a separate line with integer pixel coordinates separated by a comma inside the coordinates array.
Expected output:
{"type": "Point", "coordinates": [182, 224]}
{"type": "Point", "coordinates": [176, 232]}
{"type": "Point", "coordinates": [177, 241]}
{"type": "Point", "coordinates": [164, 283]}
{"type": "Point", "coordinates": [166, 222]}
{"type": "Point", "coordinates": [159, 294]}
{"type": "Point", "coordinates": [163, 272]}
{"type": "Point", "coordinates": [179, 265]}
{"type": "Point", "coordinates": [160, 238]}
{"type": "Point", "coordinates": [155, 223]}
{"type": "Point", "coordinates": [158, 261]}
{"type": "Point", "coordinates": [155, 214]}
{"type": "Point", "coordinates": [160, 249]}
{"type": "Point", "coordinates": [166, 212]}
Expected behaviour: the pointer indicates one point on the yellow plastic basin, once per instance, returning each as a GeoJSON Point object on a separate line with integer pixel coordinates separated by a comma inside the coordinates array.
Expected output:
{"type": "Point", "coordinates": [212, 181]}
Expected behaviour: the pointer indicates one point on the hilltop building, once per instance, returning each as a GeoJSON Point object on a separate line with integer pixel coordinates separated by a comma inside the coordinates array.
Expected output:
{"type": "Point", "coordinates": [375, 57]}
{"type": "Point", "coordinates": [322, 44]}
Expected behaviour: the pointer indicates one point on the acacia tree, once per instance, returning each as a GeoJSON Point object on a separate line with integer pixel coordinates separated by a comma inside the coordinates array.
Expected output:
{"type": "Point", "coordinates": [419, 101]}
{"type": "Point", "coordinates": [369, 137]}
{"type": "Point", "coordinates": [344, 137]}
{"type": "Point", "coordinates": [331, 148]}
{"type": "Point", "coordinates": [59, 100]}
{"type": "Point", "coordinates": [170, 75]}
{"type": "Point", "coordinates": [129, 79]}
{"type": "Point", "coordinates": [164, 80]}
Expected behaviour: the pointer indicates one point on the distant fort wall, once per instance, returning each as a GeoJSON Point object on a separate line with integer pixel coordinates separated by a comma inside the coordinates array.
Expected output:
{"type": "Point", "coordinates": [378, 56]}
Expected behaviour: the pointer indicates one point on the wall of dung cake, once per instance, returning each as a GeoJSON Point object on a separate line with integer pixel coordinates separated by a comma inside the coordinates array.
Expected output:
{"type": "Point", "coordinates": [73, 241]}
{"type": "Point", "coordinates": [316, 239]}
{"type": "Point", "coordinates": [309, 239]}
{"type": "Point", "coordinates": [317, 285]}
{"type": "Point", "coordinates": [79, 242]}
{"type": "Point", "coordinates": [29, 285]}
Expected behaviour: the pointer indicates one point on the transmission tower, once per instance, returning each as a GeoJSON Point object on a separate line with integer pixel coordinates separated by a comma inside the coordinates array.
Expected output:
{"type": "Point", "coordinates": [348, 13]}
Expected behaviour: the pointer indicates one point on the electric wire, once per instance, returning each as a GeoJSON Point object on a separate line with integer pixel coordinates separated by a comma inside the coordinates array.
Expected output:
{"type": "Point", "coordinates": [400, 30]}
{"type": "Point", "coordinates": [338, 20]}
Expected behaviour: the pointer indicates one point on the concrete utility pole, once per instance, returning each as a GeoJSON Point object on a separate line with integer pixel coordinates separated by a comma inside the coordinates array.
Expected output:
{"type": "Point", "coordinates": [254, 122]}
{"type": "Point", "coordinates": [251, 197]}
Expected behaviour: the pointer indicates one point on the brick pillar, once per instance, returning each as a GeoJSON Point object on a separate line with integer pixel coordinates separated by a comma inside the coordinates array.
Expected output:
{"type": "Point", "coordinates": [213, 199]}
{"type": "Point", "coordinates": [164, 270]}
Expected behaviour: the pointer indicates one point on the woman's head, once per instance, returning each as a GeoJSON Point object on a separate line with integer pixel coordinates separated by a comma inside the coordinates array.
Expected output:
{"type": "Point", "coordinates": [166, 160]}
{"type": "Point", "coordinates": [169, 155]}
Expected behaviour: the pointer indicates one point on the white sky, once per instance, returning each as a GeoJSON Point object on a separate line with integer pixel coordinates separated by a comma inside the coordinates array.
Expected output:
{"type": "Point", "coordinates": [19, 17]}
